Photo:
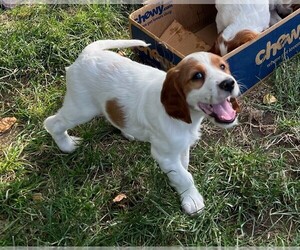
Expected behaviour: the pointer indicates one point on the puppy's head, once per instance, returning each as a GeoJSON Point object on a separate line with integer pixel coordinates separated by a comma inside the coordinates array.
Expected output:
{"type": "Point", "coordinates": [201, 82]}
{"type": "Point", "coordinates": [222, 46]}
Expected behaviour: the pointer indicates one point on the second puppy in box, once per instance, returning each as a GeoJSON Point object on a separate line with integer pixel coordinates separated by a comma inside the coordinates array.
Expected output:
{"type": "Point", "coordinates": [239, 23]}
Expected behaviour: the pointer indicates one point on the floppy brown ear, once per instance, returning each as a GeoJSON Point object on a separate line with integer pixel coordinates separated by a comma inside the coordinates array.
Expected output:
{"type": "Point", "coordinates": [173, 97]}
{"type": "Point", "coordinates": [241, 38]}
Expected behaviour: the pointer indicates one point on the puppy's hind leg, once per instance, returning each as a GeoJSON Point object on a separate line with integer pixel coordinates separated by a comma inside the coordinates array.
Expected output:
{"type": "Point", "coordinates": [128, 136]}
{"type": "Point", "coordinates": [70, 115]}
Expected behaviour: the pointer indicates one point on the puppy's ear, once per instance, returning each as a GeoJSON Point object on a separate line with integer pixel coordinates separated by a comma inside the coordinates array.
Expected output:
{"type": "Point", "coordinates": [241, 38]}
{"type": "Point", "coordinates": [173, 97]}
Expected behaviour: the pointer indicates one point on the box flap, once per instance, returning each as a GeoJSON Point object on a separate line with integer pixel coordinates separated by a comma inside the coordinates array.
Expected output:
{"type": "Point", "coordinates": [154, 18]}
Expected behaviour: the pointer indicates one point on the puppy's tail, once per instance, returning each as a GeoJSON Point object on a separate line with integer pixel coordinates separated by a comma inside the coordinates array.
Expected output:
{"type": "Point", "coordinates": [113, 44]}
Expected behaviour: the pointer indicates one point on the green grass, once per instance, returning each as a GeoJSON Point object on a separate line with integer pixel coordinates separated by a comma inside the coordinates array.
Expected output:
{"type": "Point", "coordinates": [249, 176]}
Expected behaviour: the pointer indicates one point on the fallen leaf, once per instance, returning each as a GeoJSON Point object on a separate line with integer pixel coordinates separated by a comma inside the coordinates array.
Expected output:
{"type": "Point", "coordinates": [119, 198]}
{"type": "Point", "coordinates": [6, 123]}
{"type": "Point", "coordinates": [269, 99]}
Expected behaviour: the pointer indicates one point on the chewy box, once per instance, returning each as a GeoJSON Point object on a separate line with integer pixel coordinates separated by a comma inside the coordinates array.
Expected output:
{"type": "Point", "coordinates": [175, 30]}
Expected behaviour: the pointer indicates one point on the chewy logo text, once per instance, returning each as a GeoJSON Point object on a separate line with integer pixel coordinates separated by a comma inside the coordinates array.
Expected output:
{"type": "Point", "coordinates": [272, 49]}
{"type": "Point", "coordinates": [150, 13]}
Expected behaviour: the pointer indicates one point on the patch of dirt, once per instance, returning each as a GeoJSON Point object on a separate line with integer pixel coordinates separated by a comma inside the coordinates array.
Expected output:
{"type": "Point", "coordinates": [270, 226]}
{"type": "Point", "coordinates": [8, 137]}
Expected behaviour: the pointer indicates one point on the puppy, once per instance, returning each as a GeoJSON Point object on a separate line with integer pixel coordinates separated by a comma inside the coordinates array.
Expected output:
{"type": "Point", "coordinates": [165, 109]}
{"type": "Point", "coordinates": [279, 9]}
{"type": "Point", "coordinates": [239, 23]}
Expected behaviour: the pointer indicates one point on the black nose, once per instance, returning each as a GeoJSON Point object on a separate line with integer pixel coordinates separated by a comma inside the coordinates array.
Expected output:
{"type": "Point", "coordinates": [227, 85]}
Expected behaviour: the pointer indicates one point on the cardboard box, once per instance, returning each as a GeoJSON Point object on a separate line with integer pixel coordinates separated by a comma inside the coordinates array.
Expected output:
{"type": "Point", "coordinates": [175, 30]}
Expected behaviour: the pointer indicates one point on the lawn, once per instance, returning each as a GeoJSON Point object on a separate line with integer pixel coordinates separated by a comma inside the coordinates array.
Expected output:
{"type": "Point", "coordinates": [249, 176]}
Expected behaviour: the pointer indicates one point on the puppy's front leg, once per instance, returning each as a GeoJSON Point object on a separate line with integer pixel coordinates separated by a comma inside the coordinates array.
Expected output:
{"type": "Point", "coordinates": [185, 158]}
{"type": "Point", "coordinates": [191, 200]}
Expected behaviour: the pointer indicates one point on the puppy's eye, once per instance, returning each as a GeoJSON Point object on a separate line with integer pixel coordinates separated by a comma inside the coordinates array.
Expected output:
{"type": "Point", "coordinates": [198, 76]}
{"type": "Point", "coordinates": [222, 66]}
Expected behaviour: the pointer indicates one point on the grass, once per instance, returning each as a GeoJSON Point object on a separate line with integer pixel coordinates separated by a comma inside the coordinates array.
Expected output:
{"type": "Point", "coordinates": [249, 176]}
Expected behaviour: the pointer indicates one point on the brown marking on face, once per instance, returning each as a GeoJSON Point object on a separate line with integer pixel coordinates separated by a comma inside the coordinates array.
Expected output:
{"type": "Point", "coordinates": [220, 63]}
{"type": "Point", "coordinates": [115, 113]}
{"type": "Point", "coordinates": [188, 70]}
{"type": "Point", "coordinates": [178, 84]}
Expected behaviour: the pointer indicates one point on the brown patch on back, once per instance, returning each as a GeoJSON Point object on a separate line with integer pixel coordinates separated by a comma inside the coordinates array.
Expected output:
{"type": "Point", "coordinates": [115, 113]}
{"type": "Point", "coordinates": [217, 61]}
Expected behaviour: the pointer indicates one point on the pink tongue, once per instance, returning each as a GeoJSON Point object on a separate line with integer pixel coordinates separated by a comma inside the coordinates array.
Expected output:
{"type": "Point", "coordinates": [224, 111]}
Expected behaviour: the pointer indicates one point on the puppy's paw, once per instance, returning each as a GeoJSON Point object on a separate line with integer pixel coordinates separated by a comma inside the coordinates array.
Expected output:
{"type": "Point", "coordinates": [192, 202]}
{"type": "Point", "coordinates": [68, 144]}
{"type": "Point", "coordinates": [49, 124]}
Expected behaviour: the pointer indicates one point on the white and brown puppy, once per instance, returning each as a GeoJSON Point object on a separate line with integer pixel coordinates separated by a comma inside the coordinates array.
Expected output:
{"type": "Point", "coordinates": [147, 104]}
{"type": "Point", "coordinates": [239, 22]}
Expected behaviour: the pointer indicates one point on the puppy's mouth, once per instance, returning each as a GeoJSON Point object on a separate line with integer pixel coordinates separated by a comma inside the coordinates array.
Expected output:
{"type": "Point", "coordinates": [224, 112]}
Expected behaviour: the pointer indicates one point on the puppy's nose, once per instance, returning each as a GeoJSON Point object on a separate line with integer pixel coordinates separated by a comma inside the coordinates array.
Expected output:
{"type": "Point", "coordinates": [227, 85]}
